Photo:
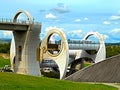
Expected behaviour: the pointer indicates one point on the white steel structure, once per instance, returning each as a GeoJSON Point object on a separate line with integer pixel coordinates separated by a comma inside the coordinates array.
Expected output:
{"type": "Point", "coordinates": [68, 53]}
{"type": "Point", "coordinates": [62, 57]}
{"type": "Point", "coordinates": [101, 52]}
{"type": "Point", "coordinates": [27, 51]}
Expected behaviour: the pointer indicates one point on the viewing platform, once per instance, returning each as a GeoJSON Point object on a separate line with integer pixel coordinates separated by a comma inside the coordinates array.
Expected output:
{"type": "Point", "coordinates": [19, 25]}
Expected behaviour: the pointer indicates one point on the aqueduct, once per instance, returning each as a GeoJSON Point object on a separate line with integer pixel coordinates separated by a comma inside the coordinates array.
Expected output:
{"type": "Point", "coordinates": [24, 44]}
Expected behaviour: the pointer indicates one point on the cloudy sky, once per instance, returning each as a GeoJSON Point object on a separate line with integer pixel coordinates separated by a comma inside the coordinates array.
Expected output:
{"type": "Point", "coordinates": [75, 17]}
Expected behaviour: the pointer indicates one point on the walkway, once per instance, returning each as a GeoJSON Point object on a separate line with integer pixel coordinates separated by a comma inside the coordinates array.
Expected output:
{"type": "Point", "coordinates": [113, 85]}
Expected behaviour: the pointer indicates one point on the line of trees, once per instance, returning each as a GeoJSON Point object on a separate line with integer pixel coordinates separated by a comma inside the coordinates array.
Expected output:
{"type": "Point", "coordinates": [111, 50]}
{"type": "Point", "coordinates": [5, 48]}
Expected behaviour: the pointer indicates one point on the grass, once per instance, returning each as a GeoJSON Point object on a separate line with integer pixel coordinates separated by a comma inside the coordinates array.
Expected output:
{"type": "Point", "coordinates": [86, 64]}
{"type": "Point", "coordinates": [10, 81]}
{"type": "Point", "coordinates": [4, 62]}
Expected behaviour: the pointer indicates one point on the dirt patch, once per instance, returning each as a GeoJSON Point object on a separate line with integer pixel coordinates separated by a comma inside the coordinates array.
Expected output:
{"type": "Point", "coordinates": [5, 56]}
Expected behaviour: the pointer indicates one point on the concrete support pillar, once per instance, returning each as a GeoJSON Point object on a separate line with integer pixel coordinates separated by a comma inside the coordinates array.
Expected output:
{"type": "Point", "coordinates": [23, 49]}
{"type": "Point", "coordinates": [26, 46]}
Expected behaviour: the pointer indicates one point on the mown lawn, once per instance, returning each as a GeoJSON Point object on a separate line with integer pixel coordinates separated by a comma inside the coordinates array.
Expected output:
{"type": "Point", "coordinates": [10, 81]}
{"type": "Point", "coordinates": [4, 62]}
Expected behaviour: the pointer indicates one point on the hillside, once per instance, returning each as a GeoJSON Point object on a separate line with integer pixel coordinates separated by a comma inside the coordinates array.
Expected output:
{"type": "Point", "coordinates": [10, 81]}
{"type": "Point", "coordinates": [5, 40]}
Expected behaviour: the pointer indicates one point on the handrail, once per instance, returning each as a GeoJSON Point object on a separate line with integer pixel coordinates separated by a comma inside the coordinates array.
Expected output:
{"type": "Point", "coordinates": [4, 20]}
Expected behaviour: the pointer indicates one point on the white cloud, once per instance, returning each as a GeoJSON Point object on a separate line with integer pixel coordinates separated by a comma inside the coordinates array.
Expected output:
{"type": "Point", "coordinates": [61, 8]}
{"type": "Point", "coordinates": [75, 33]}
{"type": "Point", "coordinates": [50, 16]}
{"type": "Point", "coordinates": [116, 30]}
{"type": "Point", "coordinates": [115, 17]}
{"type": "Point", "coordinates": [77, 20]}
{"type": "Point", "coordinates": [118, 12]}
{"type": "Point", "coordinates": [86, 19]}
{"type": "Point", "coordinates": [105, 36]}
{"type": "Point", "coordinates": [47, 29]}
{"type": "Point", "coordinates": [106, 23]}
{"type": "Point", "coordinates": [7, 34]}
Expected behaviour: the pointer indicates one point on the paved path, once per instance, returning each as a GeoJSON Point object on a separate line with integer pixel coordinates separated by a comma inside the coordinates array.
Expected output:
{"type": "Point", "coordinates": [108, 84]}
{"type": "Point", "coordinates": [112, 84]}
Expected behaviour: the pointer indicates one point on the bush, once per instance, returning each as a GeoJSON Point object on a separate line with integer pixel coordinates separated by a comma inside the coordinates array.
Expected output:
{"type": "Point", "coordinates": [5, 48]}
{"type": "Point", "coordinates": [112, 50]}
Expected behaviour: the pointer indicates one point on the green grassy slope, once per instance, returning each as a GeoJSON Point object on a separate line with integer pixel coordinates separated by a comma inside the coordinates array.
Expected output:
{"type": "Point", "coordinates": [10, 81]}
{"type": "Point", "coordinates": [4, 62]}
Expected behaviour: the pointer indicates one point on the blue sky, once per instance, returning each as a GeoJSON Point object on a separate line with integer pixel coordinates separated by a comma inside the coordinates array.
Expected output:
{"type": "Point", "coordinates": [75, 17]}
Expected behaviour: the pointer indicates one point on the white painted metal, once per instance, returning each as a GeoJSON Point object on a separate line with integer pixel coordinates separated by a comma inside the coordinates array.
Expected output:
{"type": "Point", "coordinates": [25, 43]}
{"type": "Point", "coordinates": [72, 54]}
{"type": "Point", "coordinates": [12, 54]}
{"type": "Point", "coordinates": [101, 53]}
{"type": "Point", "coordinates": [62, 58]}
{"type": "Point", "coordinates": [84, 46]}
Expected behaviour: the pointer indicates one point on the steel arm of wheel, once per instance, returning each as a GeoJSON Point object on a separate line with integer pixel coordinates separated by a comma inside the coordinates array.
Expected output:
{"type": "Point", "coordinates": [62, 58]}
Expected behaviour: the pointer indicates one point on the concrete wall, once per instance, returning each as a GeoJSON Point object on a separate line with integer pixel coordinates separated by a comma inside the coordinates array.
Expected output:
{"type": "Point", "coordinates": [105, 71]}
{"type": "Point", "coordinates": [13, 26]}
{"type": "Point", "coordinates": [26, 43]}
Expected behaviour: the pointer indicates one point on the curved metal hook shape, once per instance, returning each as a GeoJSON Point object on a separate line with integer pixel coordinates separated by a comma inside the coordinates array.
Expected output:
{"type": "Point", "coordinates": [100, 38]}
{"type": "Point", "coordinates": [62, 58]}
{"type": "Point", "coordinates": [101, 54]}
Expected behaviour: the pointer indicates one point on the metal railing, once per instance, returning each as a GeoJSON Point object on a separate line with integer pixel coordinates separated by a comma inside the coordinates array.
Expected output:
{"type": "Point", "coordinates": [25, 22]}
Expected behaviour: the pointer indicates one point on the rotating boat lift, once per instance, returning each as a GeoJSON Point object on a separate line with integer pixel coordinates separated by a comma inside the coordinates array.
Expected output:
{"type": "Point", "coordinates": [66, 53]}
{"type": "Point", "coordinates": [63, 53]}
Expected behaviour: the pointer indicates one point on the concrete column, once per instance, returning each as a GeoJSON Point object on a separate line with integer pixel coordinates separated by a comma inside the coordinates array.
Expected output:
{"type": "Point", "coordinates": [24, 46]}
{"type": "Point", "coordinates": [25, 61]}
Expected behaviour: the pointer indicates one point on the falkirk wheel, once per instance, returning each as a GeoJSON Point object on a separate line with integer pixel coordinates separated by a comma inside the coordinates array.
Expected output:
{"type": "Point", "coordinates": [31, 57]}
{"type": "Point", "coordinates": [60, 54]}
